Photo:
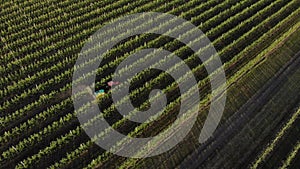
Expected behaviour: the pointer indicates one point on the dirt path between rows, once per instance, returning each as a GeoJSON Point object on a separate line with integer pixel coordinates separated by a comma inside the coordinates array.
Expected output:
{"type": "Point", "coordinates": [240, 118]}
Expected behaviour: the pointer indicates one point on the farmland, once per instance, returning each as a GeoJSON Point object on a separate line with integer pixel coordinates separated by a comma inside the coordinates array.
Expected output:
{"type": "Point", "coordinates": [258, 45]}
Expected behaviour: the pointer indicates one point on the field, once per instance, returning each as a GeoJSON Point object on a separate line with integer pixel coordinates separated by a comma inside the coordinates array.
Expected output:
{"type": "Point", "coordinates": [257, 42]}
